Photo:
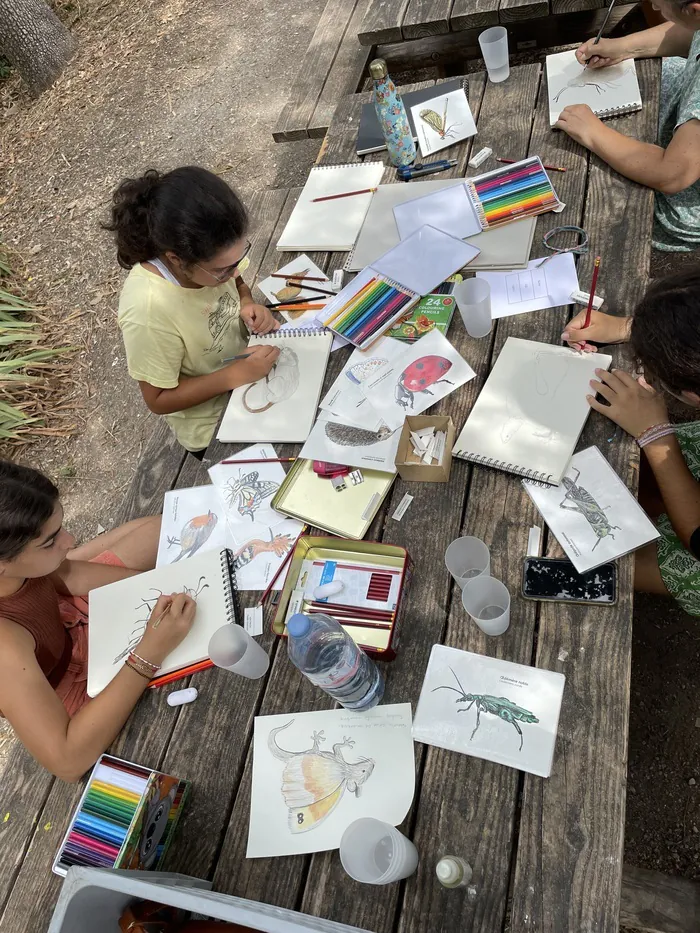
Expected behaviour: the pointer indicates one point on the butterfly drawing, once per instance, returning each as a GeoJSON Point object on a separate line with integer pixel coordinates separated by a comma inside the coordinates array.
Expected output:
{"type": "Point", "coordinates": [247, 493]}
{"type": "Point", "coordinates": [314, 781]}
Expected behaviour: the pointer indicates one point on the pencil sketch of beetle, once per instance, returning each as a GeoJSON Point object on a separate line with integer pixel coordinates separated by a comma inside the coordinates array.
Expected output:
{"type": "Point", "coordinates": [502, 707]}
{"type": "Point", "coordinates": [585, 504]}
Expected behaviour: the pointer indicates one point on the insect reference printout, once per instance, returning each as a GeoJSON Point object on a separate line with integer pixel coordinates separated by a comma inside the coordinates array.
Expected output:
{"type": "Point", "coordinates": [481, 706]}
{"type": "Point", "coordinates": [536, 288]}
{"type": "Point", "coordinates": [443, 121]}
{"type": "Point", "coordinates": [316, 773]}
{"type": "Point", "coordinates": [592, 514]}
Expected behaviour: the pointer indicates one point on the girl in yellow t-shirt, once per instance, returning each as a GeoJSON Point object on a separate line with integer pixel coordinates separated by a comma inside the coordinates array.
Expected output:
{"type": "Point", "coordinates": [182, 235]}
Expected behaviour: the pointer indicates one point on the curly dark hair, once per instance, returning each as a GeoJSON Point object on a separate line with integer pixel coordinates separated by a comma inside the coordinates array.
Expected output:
{"type": "Point", "coordinates": [665, 332]}
{"type": "Point", "coordinates": [27, 501]}
{"type": "Point", "coordinates": [189, 211]}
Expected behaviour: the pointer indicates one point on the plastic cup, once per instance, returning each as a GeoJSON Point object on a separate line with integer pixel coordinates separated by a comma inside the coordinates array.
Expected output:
{"type": "Point", "coordinates": [374, 852]}
{"type": "Point", "coordinates": [232, 648]}
{"type": "Point", "coordinates": [467, 558]}
{"type": "Point", "coordinates": [473, 297]}
{"type": "Point", "coordinates": [488, 602]}
{"type": "Point", "coordinates": [494, 48]}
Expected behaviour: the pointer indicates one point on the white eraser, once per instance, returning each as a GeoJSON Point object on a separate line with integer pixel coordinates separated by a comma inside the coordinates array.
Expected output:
{"type": "Point", "coordinates": [337, 282]}
{"type": "Point", "coordinates": [328, 589]}
{"type": "Point", "coordinates": [581, 298]}
{"type": "Point", "coordinates": [180, 697]}
{"type": "Point", "coordinates": [481, 156]}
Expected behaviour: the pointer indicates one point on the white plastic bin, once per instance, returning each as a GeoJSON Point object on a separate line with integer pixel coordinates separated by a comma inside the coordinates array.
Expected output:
{"type": "Point", "coordinates": [88, 893]}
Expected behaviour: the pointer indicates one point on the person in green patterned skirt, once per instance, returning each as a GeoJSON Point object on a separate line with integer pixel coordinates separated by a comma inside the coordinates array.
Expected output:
{"type": "Point", "coordinates": [664, 333]}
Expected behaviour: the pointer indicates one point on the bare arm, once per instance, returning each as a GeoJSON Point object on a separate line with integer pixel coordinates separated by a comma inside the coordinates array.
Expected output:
{"type": "Point", "coordinates": [68, 747]}
{"type": "Point", "coordinates": [78, 577]}
{"type": "Point", "coordinates": [679, 489]}
{"type": "Point", "coordinates": [666, 39]}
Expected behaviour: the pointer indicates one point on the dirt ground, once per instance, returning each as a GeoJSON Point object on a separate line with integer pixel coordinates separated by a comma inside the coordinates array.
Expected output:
{"type": "Point", "coordinates": [163, 83]}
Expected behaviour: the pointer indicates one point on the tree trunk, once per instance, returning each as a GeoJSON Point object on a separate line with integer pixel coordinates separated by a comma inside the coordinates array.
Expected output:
{"type": "Point", "coordinates": [35, 41]}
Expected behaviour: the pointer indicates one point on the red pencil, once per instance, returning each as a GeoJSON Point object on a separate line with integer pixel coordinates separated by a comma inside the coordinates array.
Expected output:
{"type": "Point", "coordinates": [596, 267]}
{"type": "Point", "coordinates": [345, 194]}
{"type": "Point", "coordinates": [263, 460]}
{"type": "Point", "coordinates": [281, 566]}
{"type": "Point", "coordinates": [183, 672]}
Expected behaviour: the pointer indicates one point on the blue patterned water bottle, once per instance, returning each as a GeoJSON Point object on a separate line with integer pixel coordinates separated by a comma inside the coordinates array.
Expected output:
{"type": "Point", "coordinates": [391, 114]}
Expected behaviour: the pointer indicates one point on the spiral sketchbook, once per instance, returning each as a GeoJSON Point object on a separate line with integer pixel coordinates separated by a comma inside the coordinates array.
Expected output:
{"type": "Point", "coordinates": [120, 612]}
{"type": "Point", "coordinates": [528, 417]}
{"type": "Point", "coordinates": [280, 406]}
{"type": "Point", "coordinates": [609, 92]}
{"type": "Point", "coordinates": [331, 225]}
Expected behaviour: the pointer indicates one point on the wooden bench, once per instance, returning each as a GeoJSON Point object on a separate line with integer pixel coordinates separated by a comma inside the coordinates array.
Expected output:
{"type": "Point", "coordinates": [547, 854]}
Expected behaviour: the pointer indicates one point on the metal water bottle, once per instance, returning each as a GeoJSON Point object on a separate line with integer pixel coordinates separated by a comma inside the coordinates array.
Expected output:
{"type": "Point", "coordinates": [391, 114]}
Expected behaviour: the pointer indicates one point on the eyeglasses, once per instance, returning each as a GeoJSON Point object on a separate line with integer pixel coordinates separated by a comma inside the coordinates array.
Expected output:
{"type": "Point", "coordinates": [229, 270]}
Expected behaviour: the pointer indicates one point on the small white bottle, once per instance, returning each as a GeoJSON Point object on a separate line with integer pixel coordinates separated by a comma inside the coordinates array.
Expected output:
{"type": "Point", "coordinates": [453, 872]}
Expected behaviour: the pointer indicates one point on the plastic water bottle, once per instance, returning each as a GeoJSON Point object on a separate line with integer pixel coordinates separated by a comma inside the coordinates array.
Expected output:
{"type": "Point", "coordinates": [327, 655]}
{"type": "Point", "coordinates": [391, 114]}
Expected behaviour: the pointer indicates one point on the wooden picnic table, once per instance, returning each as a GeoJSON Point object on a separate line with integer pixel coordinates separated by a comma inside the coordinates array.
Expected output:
{"type": "Point", "coordinates": [546, 854]}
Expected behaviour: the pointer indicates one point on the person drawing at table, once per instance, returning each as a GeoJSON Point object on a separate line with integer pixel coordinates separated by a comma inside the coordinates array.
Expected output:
{"type": "Point", "coordinates": [665, 338]}
{"type": "Point", "coordinates": [44, 582]}
{"type": "Point", "coordinates": [672, 167]}
{"type": "Point", "coordinates": [182, 235]}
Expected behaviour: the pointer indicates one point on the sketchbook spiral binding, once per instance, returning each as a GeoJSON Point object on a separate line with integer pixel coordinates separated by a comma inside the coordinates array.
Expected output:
{"type": "Point", "coordinates": [294, 332]}
{"type": "Point", "coordinates": [617, 111]}
{"type": "Point", "coordinates": [534, 476]}
{"type": "Point", "coordinates": [228, 572]}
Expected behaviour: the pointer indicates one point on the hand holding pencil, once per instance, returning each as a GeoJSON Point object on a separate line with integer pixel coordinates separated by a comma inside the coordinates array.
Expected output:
{"type": "Point", "coordinates": [169, 623]}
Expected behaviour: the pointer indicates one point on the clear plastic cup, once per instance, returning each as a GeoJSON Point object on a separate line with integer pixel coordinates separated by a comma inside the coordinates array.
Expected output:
{"type": "Point", "coordinates": [494, 48]}
{"type": "Point", "coordinates": [232, 648]}
{"type": "Point", "coordinates": [374, 852]}
{"type": "Point", "coordinates": [488, 602]}
{"type": "Point", "coordinates": [473, 297]}
{"type": "Point", "coordinates": [466, 558]}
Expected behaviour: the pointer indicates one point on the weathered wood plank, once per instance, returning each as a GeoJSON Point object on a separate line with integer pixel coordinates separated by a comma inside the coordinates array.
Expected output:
{"type": "Point", "coordinates": [575, 6]}
{"type": "Point", "coordinates": [658, 903]}
{"type": "Point", "coordinates": [473, 14]}
{"type": "Point", "coordinates": [515, 11]}
{"type": "Point", "coordinates": [382, 22]}
{"type": "Point", "coordinates": [426, 18]}
{"type": "Point", "coordinates": [569, 865]}
{"type": "Point", "coordinates": [313, 70]}
{"type": "Point", "coordinates": [346, 73]}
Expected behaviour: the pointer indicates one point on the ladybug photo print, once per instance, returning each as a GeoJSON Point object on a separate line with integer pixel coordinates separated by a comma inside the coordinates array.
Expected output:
{"type": "Point", "coordinates": [408, 385]}
{"type": "Point", "coordinates": [316, 773]}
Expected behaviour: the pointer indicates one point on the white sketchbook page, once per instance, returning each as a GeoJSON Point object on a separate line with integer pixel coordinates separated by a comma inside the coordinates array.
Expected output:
{"type": "Point", "coordinates": [417, 379]}
{"type": "Point", "coordinates": [193, 521]}
{"type": "Point", "coordinates": [331, 225]}
{"type": "Point", "coordinates": [258, 555]}
{"type": "Point", "coordinates": [120, 611]}
{"type": "Point", "coordinates": [345, 398]}
{"type": "Point", "coordinates": [592, 514]}
{"type": "Point", "coordinates": [533, 289]}
{"type": "Point", "coordinates": [443, 121]}
{"type": "Point", "coordinates": [533, 407]}
{"type": "Point", "coordinates": [246, 490]}
{"type": "Point", "coordinates": [362, 764]}
{"type": "Point", "coordinates": [450, 210]}
{"type": "Point", "coordinates": [379, 232]}
{"type": "Point", "coordinates": [532, 696]}
{"type": "Point", "coordinates": [352, 446]}
{"type": "Point", "coordinates": [275, 289]}
{"type": "Point", "coordinates": [292, 389]}
{"type": "Point", "coordinates": [603, 89]}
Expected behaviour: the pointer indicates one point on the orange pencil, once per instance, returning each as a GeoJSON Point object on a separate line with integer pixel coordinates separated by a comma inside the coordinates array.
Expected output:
{"type": "Point", "coordinates": [182, 672]}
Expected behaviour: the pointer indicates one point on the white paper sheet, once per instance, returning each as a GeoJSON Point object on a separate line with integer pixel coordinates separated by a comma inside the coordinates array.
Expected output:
{"type": "Point", "coordinates": [592, 513]}
{"type": "Point", "coordinates": [492, 709]}
{"type": "Point", "coordinates": [443, 121]}
{"type": "Point", "coordinates": [360, 764]}
{"type": "Point", "coordinates": [193, 520]}
{"type": "Point", "coordinates": [275, 289]}
{"type": "Point", "coordinates": [351, 446]}
{"type": "Point", "coordinates": [607, 91]}
{"type": "Point", "coordinates": [345, 398]}
{"type": "Point", "coordinates": [533, 289]}
{"type": "Point", "coordinates": [417, 379]}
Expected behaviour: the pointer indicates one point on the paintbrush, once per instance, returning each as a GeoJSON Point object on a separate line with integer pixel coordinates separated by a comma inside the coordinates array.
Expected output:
{"type": "Point", "coordinates": [600, 31]}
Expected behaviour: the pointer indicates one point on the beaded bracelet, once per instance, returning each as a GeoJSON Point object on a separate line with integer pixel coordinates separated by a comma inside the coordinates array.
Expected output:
{"type": "Point", "coordinates": [655, 432]}
{"type": "Point", "coordinates": [137, 657]}
{"type": "Point", "coordinates": [138, 670]}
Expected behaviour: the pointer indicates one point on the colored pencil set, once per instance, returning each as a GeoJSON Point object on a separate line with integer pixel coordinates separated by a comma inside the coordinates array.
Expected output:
{"type": "Point", "coordinates": [523, 189]}
{"type": "Point", "coordinates": [126, 818]}
{"type": "Point", "coordinates": [370, 310]}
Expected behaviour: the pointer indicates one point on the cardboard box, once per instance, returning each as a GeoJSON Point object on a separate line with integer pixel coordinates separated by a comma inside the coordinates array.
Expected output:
{"type": "Point", "coordinates": [409, 465]}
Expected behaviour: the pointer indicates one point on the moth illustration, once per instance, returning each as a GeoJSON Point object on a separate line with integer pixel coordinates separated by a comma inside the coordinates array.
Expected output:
{"type": "Point", "coordinates": [586, 505]}
{"type": "Point", "coordinates": [347, 436]}
{"type": "Point", "coordinates": [439, 125]}
{"type": "Point", "coordinates": [313, 781]}
{"type": "Point", "coordinates": [363, 370]}
{"type": "Point", "coordinates": [194, 534]}
{"type": "Point", "coordinates": [422, 373]}
{"type": "Point", "coordinates": [248, 492]}
{"type": "Point", "coordinates": [279, 384]}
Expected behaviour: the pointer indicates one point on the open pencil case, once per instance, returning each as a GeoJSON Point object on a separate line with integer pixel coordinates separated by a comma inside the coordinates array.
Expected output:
{"type": "Point", "coordinates": [413, 268]}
